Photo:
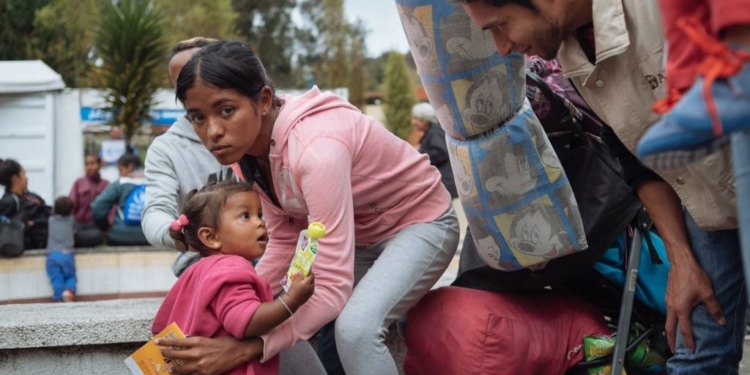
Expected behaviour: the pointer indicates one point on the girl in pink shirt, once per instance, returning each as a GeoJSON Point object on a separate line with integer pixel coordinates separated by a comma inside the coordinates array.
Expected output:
{"type": "Point", "coordinates": [391, 231]}
{"type": "Point", "coordinates": [222, 295]}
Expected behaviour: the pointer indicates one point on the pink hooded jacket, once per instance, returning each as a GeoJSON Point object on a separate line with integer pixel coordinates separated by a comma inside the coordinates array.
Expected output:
{"type": "Point", "coordinates": [332, 164]}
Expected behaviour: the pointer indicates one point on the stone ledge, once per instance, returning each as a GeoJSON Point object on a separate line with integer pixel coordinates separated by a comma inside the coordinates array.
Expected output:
{"type": "Point", "coordinates": [100, 250]}
{"type": "Point", "coordinates": [77, 324]}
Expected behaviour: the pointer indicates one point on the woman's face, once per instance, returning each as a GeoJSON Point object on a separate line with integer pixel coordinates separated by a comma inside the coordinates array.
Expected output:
{"type": "Point", "coordinates": [20, 182]}
{"type": "Point", "coordinates": [419, 124]}
{"type": "Point", "coordinates": [227, 122]}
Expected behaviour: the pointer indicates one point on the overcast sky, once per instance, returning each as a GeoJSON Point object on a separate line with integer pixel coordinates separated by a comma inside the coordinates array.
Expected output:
{"type": "Point", "coordinates": [381, 18]}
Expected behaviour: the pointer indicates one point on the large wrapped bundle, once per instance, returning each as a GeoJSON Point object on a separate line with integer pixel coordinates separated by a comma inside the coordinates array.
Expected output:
{"type": "Point", "coordinates": [516, 196]}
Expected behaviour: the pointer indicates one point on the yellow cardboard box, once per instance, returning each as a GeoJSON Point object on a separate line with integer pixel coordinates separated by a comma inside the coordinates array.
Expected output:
{"type": "Point", "coordinates": [148, 359]}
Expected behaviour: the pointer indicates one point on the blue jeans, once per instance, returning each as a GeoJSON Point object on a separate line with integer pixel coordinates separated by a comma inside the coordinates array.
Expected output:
{"type": "Point", "coordinates": [718, 350]}
{"type": "Point", "coordinates": [61, 270]}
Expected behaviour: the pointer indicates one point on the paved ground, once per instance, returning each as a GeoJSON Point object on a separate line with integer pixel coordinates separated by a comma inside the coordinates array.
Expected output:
{"type": "Point", "coordinates": [745, 364]}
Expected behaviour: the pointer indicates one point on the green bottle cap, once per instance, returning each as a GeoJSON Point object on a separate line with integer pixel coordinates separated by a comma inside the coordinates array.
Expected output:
{"type": "Point", "coordinates": [316, 230]}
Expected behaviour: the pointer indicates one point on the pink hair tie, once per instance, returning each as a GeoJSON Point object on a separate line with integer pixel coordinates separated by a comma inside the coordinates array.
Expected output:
{"type": "Point", "coordinates": [180, 223]}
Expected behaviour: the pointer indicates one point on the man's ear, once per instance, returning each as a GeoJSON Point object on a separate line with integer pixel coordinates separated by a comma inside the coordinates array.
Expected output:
{"type": "Point", "coordinates": [207, 236]}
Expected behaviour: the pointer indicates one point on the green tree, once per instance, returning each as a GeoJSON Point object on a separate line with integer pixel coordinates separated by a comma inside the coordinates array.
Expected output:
{"type": "Point", "coordinates": [358, 55]}
{"type": "Point", "coordinates": [207, 18]}
{"type": "Point", "coordinates": [130, 47]}
{"type": "Point", "coordinates": [17, 20]}
{"type": "Point", "coordinates": [325, 42]}
{"type": "Point", "coordinates": [267, 25]}
{"type": "Point", "coordinates": [398, 96]}
{"type": "Point", "coordinates": [63, 36]}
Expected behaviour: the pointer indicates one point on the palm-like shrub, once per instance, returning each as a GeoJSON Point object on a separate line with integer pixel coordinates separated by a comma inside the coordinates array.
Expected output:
{"type": "Point", "coordinates": [399, 97]}
{"type": "Point", "coordinates": [130, 53]}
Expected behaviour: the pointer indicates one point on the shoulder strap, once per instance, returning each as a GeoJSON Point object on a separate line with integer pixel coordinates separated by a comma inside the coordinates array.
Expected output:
{"type": "Point", "coordinates": [18, 202]}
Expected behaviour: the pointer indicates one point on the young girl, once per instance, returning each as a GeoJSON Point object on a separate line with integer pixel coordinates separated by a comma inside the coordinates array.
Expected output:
{"type": "Point", "coordinates": [222, 295]}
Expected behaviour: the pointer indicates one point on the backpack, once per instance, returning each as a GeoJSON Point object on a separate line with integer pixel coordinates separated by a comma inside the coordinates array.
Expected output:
{"type": "Point", "coordinates": [134, 205]}
{"type": "Point", "coordinates": [12, 233]}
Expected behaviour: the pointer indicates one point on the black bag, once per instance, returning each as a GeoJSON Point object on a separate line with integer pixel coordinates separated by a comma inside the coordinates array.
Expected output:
{"type": "Point", "coordinates": [12, 233]}
{"type": "Point", "coordinates": [606, 202]}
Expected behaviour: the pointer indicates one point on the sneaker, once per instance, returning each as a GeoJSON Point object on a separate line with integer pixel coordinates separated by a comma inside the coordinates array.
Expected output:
{"type": "Point", "coordinates": [716, 105]}
{"type": "Point", "coordinates": [68, 296]}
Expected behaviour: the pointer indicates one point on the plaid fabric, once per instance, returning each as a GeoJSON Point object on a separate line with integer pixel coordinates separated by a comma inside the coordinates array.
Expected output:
{"type": "Point", "coordinates": [675, 159]}
{"type": "Point", "coordinates": [547, 70]}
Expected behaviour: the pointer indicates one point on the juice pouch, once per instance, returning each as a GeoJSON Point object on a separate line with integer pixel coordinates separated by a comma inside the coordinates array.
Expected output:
{"type": "Point", "coordinates": [304, 255]}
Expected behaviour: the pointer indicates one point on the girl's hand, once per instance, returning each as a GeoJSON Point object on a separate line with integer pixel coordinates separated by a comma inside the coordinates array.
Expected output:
{"type": "Point", "coordinates": [301, 290]}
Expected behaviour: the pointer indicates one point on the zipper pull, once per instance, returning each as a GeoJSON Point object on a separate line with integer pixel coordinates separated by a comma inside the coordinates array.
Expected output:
{"type": "Point", "coordinates": [291, 220]}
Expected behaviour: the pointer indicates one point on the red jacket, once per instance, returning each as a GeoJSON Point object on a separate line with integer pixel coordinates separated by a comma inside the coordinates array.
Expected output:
{"type": "Point", "coordinates": [83, 192]}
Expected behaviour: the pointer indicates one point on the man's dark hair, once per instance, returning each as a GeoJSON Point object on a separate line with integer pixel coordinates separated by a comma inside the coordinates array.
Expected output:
{"type": "Point", "coordinates": [63, 206]}
{"type": "Point", "coordinates": [197, 42]}
{"type": "Point", "coordinates": [499, 3]}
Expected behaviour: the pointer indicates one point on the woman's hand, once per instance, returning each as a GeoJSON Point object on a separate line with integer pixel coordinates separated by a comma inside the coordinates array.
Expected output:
{"type": "Point", "coordinates": [207, 356]}
{"type": "Point", "coordinates": [301, 290]}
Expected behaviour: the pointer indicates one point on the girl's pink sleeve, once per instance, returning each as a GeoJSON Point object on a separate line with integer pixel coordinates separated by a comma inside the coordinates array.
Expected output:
{"type": "Point", "coordinates": [324, 176]}
{"type": "Point", "coordinates": [232, 286]}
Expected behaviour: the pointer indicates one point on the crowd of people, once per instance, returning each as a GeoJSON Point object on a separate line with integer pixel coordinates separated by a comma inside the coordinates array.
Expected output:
{"type": "Point", "coordinates": [232, 185]}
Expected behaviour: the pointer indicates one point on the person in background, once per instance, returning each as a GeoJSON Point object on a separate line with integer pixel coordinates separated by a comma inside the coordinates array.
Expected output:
{"type": "Point", "coordinates": [118, 195]}
{"type": "Point", "coordinates": [112, 149]}
{"type": "Point", "coordinates": [17, 199]}
{"type": "Point", "coordinates": [61, 264]}
{"type": "Point", "coordinates": [83, 192]}
{"type": "Point", "coordinates": [432, 143]}
{"type": "Point", "coordinates": [176, 163]}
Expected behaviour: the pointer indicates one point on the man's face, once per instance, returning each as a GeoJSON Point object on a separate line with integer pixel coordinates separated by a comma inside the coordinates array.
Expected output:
{"type": "Point", "coordinates": [515, 28]}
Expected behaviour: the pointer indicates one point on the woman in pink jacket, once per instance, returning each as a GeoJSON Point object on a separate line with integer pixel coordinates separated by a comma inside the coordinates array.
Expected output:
{"type": "Point", "coordinates": [391, 231]}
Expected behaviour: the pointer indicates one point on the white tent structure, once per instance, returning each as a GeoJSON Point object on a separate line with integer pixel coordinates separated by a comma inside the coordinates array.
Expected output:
{"type": "Point", "coordinates": [39, 126]}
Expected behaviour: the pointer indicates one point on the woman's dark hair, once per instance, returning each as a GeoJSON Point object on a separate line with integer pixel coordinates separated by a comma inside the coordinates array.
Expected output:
{"type": "Point", "coordinates": [203, 209]}
{"type": "Point", "coordinates": [128, 160]}
{"type": "Point", "coordinates": [226, 65]}
{"type": "Point", "coordinates": [8, 169]}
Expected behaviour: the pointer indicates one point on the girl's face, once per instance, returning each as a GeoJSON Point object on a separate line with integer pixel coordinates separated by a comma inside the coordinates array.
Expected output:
{"type": "Point", "coordinates": [228, 123]}
{"type": "Point", "coordinates": [242, 230]}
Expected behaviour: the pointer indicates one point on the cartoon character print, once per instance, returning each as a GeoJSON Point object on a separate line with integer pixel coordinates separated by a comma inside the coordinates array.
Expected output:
{"type": "Point", "coordinates": [518, 178]}
{"type": "Point", "coordinates": [420, 43]}
{"type": "Point", "coordinates": [485, 105]}
{"type": "Point", "coordinates": [464, 184]}
{"type": "Point", "coordinates": [533, 234]}
{"type": "Point", "coordinates": [480, 46]}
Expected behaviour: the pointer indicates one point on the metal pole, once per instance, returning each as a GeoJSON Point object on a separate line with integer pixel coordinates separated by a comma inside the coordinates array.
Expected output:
{"type": "Point", "coordinates": [626, 308]}
{"type": "Point", "coordinates": [741, 161]}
